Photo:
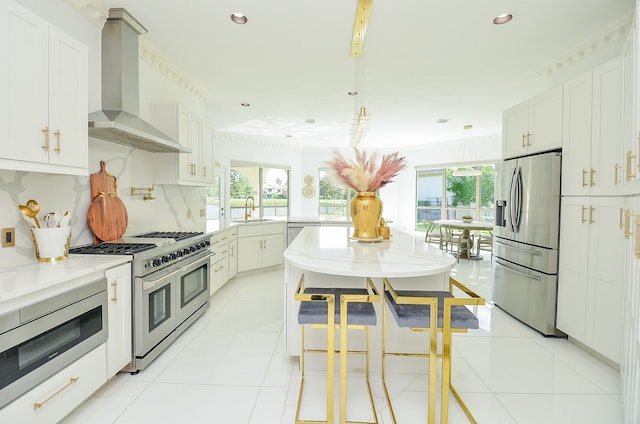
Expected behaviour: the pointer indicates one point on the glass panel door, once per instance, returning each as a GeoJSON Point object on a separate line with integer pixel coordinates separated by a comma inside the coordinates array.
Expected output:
{"type": "Point", "coordinates": [159, 306]}
{"type": "Point", "coordinates": [192, 284]}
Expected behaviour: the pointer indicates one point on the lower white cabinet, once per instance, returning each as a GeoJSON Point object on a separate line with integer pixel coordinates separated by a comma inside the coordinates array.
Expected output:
{"type": "Point", "coordinates": [219, 262]}
{"type": "Point", "coordinates": [119, 318]}
{"type": "Point", "coordinates": [260, 245]}
{"type": "Point", "coordinates": [591, 272]}
{"type": "Point", "coordinates": [56, 397]}
{"type": "Point", "coordinates": [233, 252]}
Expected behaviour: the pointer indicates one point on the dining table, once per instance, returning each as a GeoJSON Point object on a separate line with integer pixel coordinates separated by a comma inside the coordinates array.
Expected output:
{"type": "Point", "coordinates": [466, 227]}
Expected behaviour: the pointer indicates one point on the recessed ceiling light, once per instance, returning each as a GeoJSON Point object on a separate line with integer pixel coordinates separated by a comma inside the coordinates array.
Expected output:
{"type": "Point", "coordinates": [352, 93]}
{"type": "Point", "coordinates": [503, 18]}
{"type": "Point", "coordinates": [288, 135]}
{"type": "Point", "coordinates": [238, 18]}
{"type": "Point", "coordinates": [245, 104]}
{"type": "Point", "coordinates": [442, 120]}
{"type": "Point", "coordinates": [310, 121]}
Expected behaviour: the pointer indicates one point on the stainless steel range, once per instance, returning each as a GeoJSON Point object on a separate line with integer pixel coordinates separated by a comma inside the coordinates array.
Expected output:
{"type": "Point", "coordinates": [170, 275]}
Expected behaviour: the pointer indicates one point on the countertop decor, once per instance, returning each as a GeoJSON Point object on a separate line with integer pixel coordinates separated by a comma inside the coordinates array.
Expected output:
{"type": "Point", "coordinates": [366, 177]}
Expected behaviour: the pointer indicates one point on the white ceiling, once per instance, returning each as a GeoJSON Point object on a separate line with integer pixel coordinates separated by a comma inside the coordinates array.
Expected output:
{"type": "Point", "coordinates": [423, 60]}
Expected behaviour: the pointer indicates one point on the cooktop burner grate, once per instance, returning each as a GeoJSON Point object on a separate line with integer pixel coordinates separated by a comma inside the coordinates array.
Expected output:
{"type": "Point", "coordinates": [112, 248]}
{"type": "Point", "coordinates": [176, 235]}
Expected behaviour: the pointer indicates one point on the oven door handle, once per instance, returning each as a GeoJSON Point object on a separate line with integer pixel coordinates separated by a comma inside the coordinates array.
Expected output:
{"type": "Point", "coordinates": [147, 284]}
{"type": "Point", "coordinates": [197, 262]}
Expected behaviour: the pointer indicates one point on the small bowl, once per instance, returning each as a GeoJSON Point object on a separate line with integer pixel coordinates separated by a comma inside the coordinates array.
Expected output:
{"type": "Point", "coordinates": [467, 220]}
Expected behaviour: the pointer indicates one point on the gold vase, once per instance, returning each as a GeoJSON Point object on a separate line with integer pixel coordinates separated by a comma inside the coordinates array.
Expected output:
{"type": "Point", "coordinates": [366, 210]}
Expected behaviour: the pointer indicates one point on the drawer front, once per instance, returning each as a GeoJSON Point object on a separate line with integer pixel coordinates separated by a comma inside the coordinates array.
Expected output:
{"type": "Point", "coordinates": [219, 243]}
{"type": "Point", "coordinates": [250, 230]}
{"type": "Point", "coordinates": [233, 233]}
{"type": "Point", "coordinates": [273, 228]}
{"type": "Point", "coordinates": [219, 275]}
{"type": "Point", "coordinates": [61, 393]}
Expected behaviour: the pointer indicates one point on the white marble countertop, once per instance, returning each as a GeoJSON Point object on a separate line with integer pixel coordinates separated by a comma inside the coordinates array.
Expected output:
{"type": "Point", "coordinates": [29, 282]}
{"type": "Point", "coordinates": [329, 250]}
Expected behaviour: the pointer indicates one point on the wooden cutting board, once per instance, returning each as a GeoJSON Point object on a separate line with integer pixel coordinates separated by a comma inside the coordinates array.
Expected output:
{"type": "Point", "coordinates": [107, 216]}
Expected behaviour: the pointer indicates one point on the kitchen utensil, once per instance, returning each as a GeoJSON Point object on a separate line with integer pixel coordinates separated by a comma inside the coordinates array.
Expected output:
{"type": "Point", "coordinates": [29, 213]}
{"type": "Point", "coordinates": [52, 219]}
{"type": "Point", "coordinates": [65, 221]}
{"type": "Point", "coordinates": [107, 216]}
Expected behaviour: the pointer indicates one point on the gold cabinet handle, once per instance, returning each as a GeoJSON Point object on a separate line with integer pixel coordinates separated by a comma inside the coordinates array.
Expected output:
{"type": "Point", "coordinates": [591, 174]}
{"type": "Point", "coordinates": [204, 171]}
{"type": "Point", "coordinates": [627, 224]}
{"type": "Point", "coordinates": [582, 220]}
{"type": "Point", "coordinates": [57, 134]}
{"type": "Point", "coordinates": [114, 299]}
{"type": "Point", "coordinates": [621, 214]}
{"type": "Point", "coordinates": [232, 251]}
{"type": "Point", "coordinates": [45, 130]}
{"type": "Point", "coordinates": [224, 238]}
{"type": "Point", "coordinates": [584, 174]}
{"type": "Point", "coordinates": [524, 137]}
{"type": "Point", "coordinates": [224, 252]}
{"type": "Point", "coordinates": [630, 157]}
{"type": "Point", "coordinates": [616, 181]}
{"type": "Point", "coordinates": [39, 405]}
{"type": "Point", "coordinates": [218, 269]}
{"type": "Point", "coordinates": [528, 139]}
{"type": "Point", "coordinates": [591, 209]}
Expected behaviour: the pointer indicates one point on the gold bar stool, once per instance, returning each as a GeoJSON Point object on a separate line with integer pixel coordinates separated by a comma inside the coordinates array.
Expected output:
{"type": "Point", "coordinates": [318, 309]}
{"type": "Point", "coordinates": [432, 312]}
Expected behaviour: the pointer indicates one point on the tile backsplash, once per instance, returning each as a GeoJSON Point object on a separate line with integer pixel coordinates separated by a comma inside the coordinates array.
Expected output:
{"type": "Point", "coordinates": [174, 207]}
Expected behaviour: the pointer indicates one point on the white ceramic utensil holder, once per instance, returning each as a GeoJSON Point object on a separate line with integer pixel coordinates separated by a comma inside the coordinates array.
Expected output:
{"type": "Point", "coordinates": [51, 244]}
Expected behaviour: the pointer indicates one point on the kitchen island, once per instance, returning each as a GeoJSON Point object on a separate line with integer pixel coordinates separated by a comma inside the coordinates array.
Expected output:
{"type": "Point", "coordinates": [328, 257]}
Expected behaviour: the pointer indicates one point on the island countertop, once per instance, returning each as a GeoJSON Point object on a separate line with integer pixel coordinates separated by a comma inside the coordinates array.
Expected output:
{"type": "Point", "coordinates": [330, 250]}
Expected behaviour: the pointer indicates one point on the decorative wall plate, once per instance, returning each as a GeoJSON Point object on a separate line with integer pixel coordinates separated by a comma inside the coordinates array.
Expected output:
{"type": "Point", "coordinates": [309, 192]}
{"type": "Point", "coordinates": [308, 180]}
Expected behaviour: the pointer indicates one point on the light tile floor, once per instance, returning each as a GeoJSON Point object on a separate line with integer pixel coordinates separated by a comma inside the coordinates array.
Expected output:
{"type": "Point", "coordinates": [229, 368]}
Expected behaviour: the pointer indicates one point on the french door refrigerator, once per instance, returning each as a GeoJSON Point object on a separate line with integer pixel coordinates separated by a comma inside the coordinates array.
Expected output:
{"type": "Point", "coordinates": [526, 236]}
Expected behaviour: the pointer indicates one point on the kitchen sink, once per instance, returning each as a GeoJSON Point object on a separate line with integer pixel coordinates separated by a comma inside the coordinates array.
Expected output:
{"type": "Point", "coordinates": [249, 221]}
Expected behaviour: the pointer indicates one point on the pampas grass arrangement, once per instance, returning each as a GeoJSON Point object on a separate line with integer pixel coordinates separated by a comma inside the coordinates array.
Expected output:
{"type": "Point", "coordinates": [361, 174]}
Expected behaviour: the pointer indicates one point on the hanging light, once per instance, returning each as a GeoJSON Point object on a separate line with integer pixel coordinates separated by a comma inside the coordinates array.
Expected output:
{"type": "Point", "coordinates": [467, 155]}
{"type": "Point", "coordinates": [359, 125]}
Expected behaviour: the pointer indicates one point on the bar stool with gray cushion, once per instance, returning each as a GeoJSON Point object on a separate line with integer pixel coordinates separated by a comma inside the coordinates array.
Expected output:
{"type": "Point", "coordinates": [432, 311]}
{"type": "Point", "coordinates": [321, 307]}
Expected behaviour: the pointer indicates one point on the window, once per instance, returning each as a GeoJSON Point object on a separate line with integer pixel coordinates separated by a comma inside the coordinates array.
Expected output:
{"type": "Point", "coordinates": [462, 195]}
{"type": "Point", "coordinates": [272, 201]}
{"type": "Point", "coordinates": [333, 198]}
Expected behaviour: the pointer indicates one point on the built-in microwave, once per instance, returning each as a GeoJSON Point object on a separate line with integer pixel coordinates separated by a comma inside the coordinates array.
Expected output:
{"type": "Point", "coordinates": [41, 339]}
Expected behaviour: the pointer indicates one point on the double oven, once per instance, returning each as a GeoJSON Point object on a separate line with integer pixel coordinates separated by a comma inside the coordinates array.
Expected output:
{"type": "Point", "coordinates": [170, 287]}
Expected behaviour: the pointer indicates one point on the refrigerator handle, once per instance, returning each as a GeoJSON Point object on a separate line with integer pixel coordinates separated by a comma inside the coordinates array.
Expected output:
{"type": "Point", "coordinates": [520, 249]}
{"type": "Point", "coordinates": [519, 190]}
{"type": "Point", "coordinates": [511, 205]}
{"type": "Point", "coordinates": [533, 277]}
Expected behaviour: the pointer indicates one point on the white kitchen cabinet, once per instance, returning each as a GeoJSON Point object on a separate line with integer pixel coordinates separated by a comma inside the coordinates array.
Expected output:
{"type": "Point", "coordinates": [189, 130]}
{"type": "Point", "coordinates": [220, 261]}
{"type": "Point", "coordinates": [630, 172]}
{"type": "Point", "coordinates": [260, 245]}
{"type": "Point", "coordinates": [630, 355]}
{"type": "Point", "coordinates": [591, 272]}
{"type": "Point", "coordinates": [533, 126]}
{"type": "Point", "coordinates": [44, 101]}
{"type": "Point", "coordinates": [592, 132]}
{"type": "Point", "coordinates": [57, 396]}
{"type": "Point", "coordinates": [119, 291]}
{"type": "Point", "coordinates": [233, 252]}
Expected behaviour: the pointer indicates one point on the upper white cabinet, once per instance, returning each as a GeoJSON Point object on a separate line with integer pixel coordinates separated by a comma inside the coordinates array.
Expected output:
{"type": "Point", "coordinates": [592, 132]}
{"type": "Point", "coordinates": [630, 172]}
{"type": "Point", "coordinates": [533, 126]}
{"type": "Point", "coordinates": [44, 95]}
{"type": "Point", "coordinates": [188, 129]}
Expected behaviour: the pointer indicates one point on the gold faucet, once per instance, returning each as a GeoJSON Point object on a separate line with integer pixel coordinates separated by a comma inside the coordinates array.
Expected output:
{"type": "Point", "coordinates": [247, 213]}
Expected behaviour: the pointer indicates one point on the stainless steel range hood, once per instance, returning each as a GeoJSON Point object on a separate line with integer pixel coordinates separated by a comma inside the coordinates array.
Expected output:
{"type": "Point", "coordinates": [119, 120]}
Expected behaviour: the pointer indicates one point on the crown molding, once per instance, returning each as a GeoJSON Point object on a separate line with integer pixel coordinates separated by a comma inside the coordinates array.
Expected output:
{"type": "Point", "coordinates": [169, 70]}
{"type": "Point", "coordinates": [610, 35]}
{"type": "Point", "coordinates": [93, 10]}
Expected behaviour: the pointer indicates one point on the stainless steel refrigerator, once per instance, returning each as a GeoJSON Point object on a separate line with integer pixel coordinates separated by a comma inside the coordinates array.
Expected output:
{"type": "Point", "coordinates": [526, 237]}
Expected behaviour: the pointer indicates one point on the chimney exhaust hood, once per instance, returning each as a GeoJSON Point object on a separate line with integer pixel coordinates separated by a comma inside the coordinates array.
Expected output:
{"type": "Point", "coordinates": [119, 121]}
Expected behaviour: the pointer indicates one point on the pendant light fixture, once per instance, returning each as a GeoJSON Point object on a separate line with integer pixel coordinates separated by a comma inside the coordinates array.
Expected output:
{"type": "Point", "coordinates": [467, 155]}
{"type": "Point", "coordinates": [361, 22]}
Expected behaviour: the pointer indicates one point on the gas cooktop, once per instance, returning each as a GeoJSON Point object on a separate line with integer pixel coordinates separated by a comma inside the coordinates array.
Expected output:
{"type": "Point", "coordinates": [134, 244]}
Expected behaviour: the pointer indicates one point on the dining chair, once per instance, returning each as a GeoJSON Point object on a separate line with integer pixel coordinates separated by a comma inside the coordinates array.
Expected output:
{"type": "Point", "coordinates": [432, 234]}
{"type": "Point", "coordinates": [433, 312]}
{"type": "Point", "coordinates": [484, 242]}
{"type": "Point", "coordinates": [336, 308]}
